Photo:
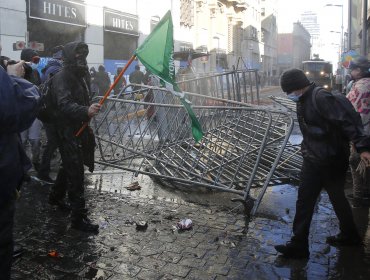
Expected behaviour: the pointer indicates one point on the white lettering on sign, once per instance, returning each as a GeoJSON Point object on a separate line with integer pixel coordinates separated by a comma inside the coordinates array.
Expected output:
{"type": "Point", "coordinates": [59, 10]}
{"type": "Point", "coordinates": [122, 23]}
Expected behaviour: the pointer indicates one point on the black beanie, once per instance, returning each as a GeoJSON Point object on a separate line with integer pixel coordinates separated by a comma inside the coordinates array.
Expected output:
{"type": "Point", "coordinates": [293, 79]}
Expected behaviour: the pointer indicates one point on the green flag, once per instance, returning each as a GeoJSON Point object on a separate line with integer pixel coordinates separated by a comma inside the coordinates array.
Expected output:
{"type": "Point", "coordinates": [156, 54]}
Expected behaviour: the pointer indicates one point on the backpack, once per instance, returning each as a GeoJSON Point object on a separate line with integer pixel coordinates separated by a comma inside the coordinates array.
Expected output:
{"type": "Point", "coordinates": [341, 99]}
{"type": "Point", "coordinates": [47, 108]}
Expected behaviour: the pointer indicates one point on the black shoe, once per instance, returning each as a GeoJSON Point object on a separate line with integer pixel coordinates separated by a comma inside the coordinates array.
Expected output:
{"type": "Point", "coordinates": [36, 165]}
{"type": "Point", "coordinates": [46, 179]}
{"type": "Point", "coordinates": [360, 203]}
{"type": "Point", "coordinates": [61, 204]}
{"type": "Point", "coordinates": [17, 251]}
{"type": "Point", "coordinates": [85, 225]}
{"type": "Point", "coordinates": [293, 250]}
{"type": "Point", "coordinates": [344, 240]}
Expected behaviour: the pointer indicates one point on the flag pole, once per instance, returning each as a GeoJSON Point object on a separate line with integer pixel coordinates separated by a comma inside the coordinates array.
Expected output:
{"type": "Point", "coordinates": [101, 101]}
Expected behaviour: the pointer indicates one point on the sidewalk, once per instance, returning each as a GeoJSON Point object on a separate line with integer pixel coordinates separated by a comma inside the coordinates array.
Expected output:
{"type": "Point", "coordinates": [221, 244]}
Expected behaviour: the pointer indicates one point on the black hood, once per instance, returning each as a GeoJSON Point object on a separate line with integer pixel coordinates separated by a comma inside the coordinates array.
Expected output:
{"type": "Point", "coordinates": [71, 49]}
{"type": "Point", "coordinates": [27, 54]}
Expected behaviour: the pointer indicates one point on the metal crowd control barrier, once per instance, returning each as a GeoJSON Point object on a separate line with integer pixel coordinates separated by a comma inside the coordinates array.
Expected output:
{"type": "Point", "coordinates": [149, 132]}
{"type": "Point", "coordinates": [236, 85]}
{"type": "Point", "coordinates": [285, 102]}
{"type": "Point", "coordinates": [291, 160]}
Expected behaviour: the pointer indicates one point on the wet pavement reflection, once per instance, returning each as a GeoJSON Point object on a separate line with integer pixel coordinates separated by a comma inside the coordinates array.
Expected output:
{"type": "Point", "coordinates": [222, 244]}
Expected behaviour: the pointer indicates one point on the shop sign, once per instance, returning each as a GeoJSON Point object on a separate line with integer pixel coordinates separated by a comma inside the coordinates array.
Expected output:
{"type": "Point", "coordinates": [115, 21]}
{"type": "Point", "coordinates": [67, 12]}
{"type": "Point", "coordinates": [19, 45]}
{"type": "Point", "coordinates": [37, 46]}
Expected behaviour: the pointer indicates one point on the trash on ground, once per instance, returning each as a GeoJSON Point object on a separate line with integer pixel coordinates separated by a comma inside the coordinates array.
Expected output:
{"type": "Point", "coordinates": [134, 186]}
{"type": "Point", "coordinates": [141, 225]}
{"type": "Point", "coordinates": [53, 253]}
{"type": "Point", "coordinates": [103, 224]}
{"type": "Point", "coordinates": [185, 224]}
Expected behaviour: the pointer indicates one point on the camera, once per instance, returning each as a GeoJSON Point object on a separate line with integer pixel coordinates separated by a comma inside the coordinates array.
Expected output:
{"type": "Point", "coordinates": [4, 61]}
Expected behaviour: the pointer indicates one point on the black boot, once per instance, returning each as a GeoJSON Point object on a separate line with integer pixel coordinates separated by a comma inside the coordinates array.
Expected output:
{"type": "Point", "coordinates": [344, 240]}
{"type": "Point", "coordinates": [84, 224]}
{"type": "Point", "coordinates": [294, 250]}
{"type": "Point", "coordinates": [60, 203]}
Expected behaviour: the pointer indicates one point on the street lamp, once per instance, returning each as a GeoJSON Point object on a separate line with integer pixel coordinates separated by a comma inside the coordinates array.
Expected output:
{"type": "Point", "coordinates": [341, 42]}
{"type": "Point", "coordinates": [218, 47]}
{"type": "Point", "coordinates": [341, 36]}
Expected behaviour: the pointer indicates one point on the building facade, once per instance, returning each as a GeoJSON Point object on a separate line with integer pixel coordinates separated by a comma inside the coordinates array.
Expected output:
{"type": "Point", "coordinates": [309, 20]}
{"type": "Point", "coordinates": [229, 30]}
{"type": "Point", "coordinates": [269, 39]}
{"type": "Point", "coordinates": [293, 48]}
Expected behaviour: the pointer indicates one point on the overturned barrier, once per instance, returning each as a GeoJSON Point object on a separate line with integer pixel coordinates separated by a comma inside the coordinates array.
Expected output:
{"type": "Point", "coordinates": [291, 160]}
{"type": "Point", "coordinates": [149, 132]}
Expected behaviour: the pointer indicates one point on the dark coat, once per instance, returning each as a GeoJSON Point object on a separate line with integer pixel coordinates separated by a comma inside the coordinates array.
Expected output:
{"type": "Point", "coordinates": [102, 81]}
{"type": "Point", "coordinates": [18, 108]}
{"type": "Point", "coordinates": [52, 67]}
{"type": "Point", "coordinates": [70, 92]}
{"type": "Point", "coordinates": [136, 77]}
{"type": "Point", "coordinates": [327, 134]}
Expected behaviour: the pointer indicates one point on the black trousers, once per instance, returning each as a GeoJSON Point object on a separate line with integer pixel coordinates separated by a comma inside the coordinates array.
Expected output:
{"type": "Point", "coordinates": [51, 146]}
{"type": "Point", "coordinates": [7, 210]}
{"type": "Point", "coordinates": [314, 178]}
{"type": "Point", "coordinates": [70, 179]}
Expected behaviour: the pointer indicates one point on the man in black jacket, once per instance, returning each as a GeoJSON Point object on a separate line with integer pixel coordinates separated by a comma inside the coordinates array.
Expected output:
{"type": "Point", "coordinates": [70, 89]}
{"type": "Point", "coordinates": [325, 151]}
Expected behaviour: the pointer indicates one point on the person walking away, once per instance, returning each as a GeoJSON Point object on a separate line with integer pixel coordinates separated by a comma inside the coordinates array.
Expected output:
{"type": "Point", "coordinates": [136, 77]}
{"type": "Point", "coordinates": [32, 134]}
{"type": "Point", "coordinates": [70, 89]}
{"type": "Point", "coordinates": [359, 96]}
{"type": "Point", "coordinates": [94, 86]}
{"type": "Point", "coordinates": [53, 66]}
{"type": "Point", "coordinates": [102, 80]}
{"type": "Point", "coordinates": [121, 83]}
{"type": "Point", "coordinates": [326, 132]}
{"type": "Point", "coordinates": [18, 108]}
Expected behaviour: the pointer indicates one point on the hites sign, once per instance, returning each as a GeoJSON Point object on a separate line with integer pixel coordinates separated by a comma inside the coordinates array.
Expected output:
{"type": "Point", "coordinates": [116, 21]}
{"type": "Point", "coordinates": [67, 12]}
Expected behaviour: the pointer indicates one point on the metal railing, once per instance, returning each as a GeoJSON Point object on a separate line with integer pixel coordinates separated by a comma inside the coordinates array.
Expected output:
{"type": "Point", "coordinates": [236, 85]}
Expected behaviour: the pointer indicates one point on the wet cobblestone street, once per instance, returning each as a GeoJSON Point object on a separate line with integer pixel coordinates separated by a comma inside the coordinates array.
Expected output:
{"type": "Point", "coordinates": [221, 244]}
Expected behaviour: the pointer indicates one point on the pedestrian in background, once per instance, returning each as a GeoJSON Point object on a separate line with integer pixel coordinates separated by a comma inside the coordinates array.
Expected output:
{"type": "Point", "coordinates": [136, 77]}
{"type": "Point", "coordinates": [94, 89]}
{"type": "Point", "coordinates": [121, 83]}
{"type": "Point", "coordinates": [70, 88]}
{"type": "Point", "coordinates": [359, 95]}
{"type": "Point", "coordinates": [325, 150]}
{"type": "Point", "coordinates": [18, 108]}
{"type": "Point", "coordinates": [32, 134]}
{"type": "Point", "coordinates": [102, 80]}
{"type": "Point", "coordinates": [53, 66]}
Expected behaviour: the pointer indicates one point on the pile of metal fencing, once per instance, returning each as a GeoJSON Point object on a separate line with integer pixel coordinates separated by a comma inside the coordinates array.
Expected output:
{"type": "Point", "coordinates": [291, 160]}
{"type": "Point", "coordinates": [149, 132]}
